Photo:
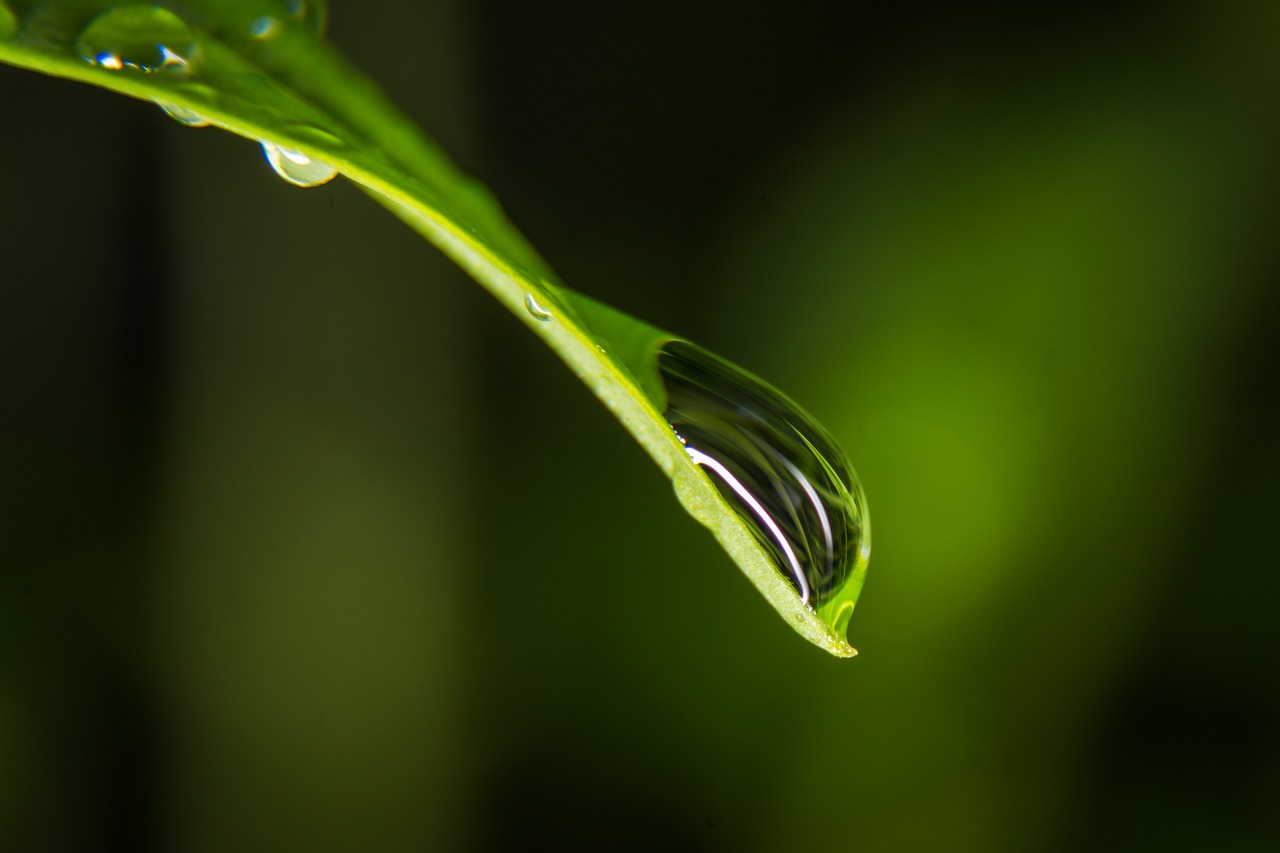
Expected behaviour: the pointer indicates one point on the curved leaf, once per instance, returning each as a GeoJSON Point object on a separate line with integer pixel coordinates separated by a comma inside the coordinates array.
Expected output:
{"type": "Point", "coordinates": [259, 69]}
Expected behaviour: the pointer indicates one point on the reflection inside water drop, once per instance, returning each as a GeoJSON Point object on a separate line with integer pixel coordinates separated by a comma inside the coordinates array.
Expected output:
{"type": "Point", "coordinates": [788, 481]}
{"type": "Point", "coordinates": [313, 13]}
{"type": "Point", "coordinates": [182, 115]}
{"type": "Point", "coordinates": [297, 168]}
{"type": "Point", "coordinates": [535, 310]}
{"type": "Point", "coordinates": [264, 27]}
{"type": "Point", "coordinates": [141, 38]}
{"type": "Point", "coordinates": [307, 16]}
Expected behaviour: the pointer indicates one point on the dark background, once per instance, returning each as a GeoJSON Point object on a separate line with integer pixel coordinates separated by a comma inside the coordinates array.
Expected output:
{"type": "Point", "coordinates": [305, 544]}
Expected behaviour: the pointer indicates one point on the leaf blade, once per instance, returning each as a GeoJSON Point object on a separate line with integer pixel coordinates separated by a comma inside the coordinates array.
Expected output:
{"type": "Point", "coordinates": [308, 99]}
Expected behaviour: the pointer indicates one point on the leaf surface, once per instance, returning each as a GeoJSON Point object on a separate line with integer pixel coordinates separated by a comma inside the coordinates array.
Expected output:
{"type": "Point", "coordinates": [260, 69]}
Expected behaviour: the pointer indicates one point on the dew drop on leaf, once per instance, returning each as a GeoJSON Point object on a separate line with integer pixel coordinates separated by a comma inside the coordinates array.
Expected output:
{"type": "Point", "coordinates": [182, 115]}
{"type": "Point", "coordinates": [308, 15]}
{"type": "Point", "coordinates": [8, 23]}
{"type": "Point", "coordinates": [535, 310]}
{"type": "Point", "coordinates": [143, 38]}
{"type": "Point", "coordinates": [297, 168]}
{"type": "Point", "coordinates": [312, 13]}
{"type": "Point", "coordinates": [784, 476]}
{"type": "Point", "coordinates": [265, 27]}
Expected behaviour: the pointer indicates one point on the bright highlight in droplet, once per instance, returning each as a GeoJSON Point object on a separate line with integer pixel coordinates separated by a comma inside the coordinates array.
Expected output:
{"type": "Point", "coordinates": [786, 479]}
{"type": "Point", "coordinates": [182, 115]}
{"type": "Point", "coordinates": [297, 168]}
{"type": "Point", "coordinates": [264, 27]}
{"type": "Point", "coordinates": [535, 310]}
{"type": "Point", "coordinates": [777, 537]}
{"type": "Point", "coordinates": [149, 39]}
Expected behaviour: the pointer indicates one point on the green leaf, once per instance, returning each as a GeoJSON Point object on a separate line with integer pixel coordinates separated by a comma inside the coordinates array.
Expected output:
{"type": "Point", "coordinates": [259, 69]}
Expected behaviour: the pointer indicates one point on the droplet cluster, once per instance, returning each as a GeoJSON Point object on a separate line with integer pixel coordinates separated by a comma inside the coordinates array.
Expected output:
{"type": "Point", "coordinates": [153, 41]}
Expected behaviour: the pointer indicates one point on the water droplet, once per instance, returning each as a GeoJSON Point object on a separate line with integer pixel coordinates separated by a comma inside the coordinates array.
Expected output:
{"type": "Point", "coordinates": [143, 38]}
{"type": "Point", "coordinates": [535, 310]}
{"type": "Point", "coordinates": [265, 27]}
{"type": "Point", "coordinates": [309, 15]}
{"type": "Point", "coordinates": [297, 168]}
{"type": "Point", "coordinates": [8, 23]}
{"type": "Point", "coordinates": [313, 13]}
{"type": "Point", "coordinates": [182, 115]}
{"type": "Point", "coordinates": [788, 481]}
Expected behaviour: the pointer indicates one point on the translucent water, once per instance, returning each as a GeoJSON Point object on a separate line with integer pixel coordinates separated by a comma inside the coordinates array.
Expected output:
{"type": "Point", "coordinates": [182, 115]}
{"type": "Point", "coordinates": [788, 481]}
{"type": "Point", "coordinates": [141, 38]}
{"type": "Point", "coordinates": [8, 23]}
{"type": "Point", "coordinates": [535, 310]}
{"type": "Point", "coordinates": [265, 27]}
{"type": "Point", "coordinates": [774, 468]}
{"type": "Point", "coordinates": [313, 14]}
{"type": "Point", "coordinates": [297, 168]}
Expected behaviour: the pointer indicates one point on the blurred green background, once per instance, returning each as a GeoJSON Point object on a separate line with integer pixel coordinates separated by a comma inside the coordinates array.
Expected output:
{"type": "Point", "coordinates": [306, 545]}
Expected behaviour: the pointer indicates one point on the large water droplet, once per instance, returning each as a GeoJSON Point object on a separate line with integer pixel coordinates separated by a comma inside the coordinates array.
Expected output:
{"type": "Point", "coordinates": [786, 478]}
{"type": "Point", "coordinates": [8, 23]}
{"type": "Point", "coordinates": [143, 38]}
{"type": "Point", "coordinates": [297, 168]}
{"type": "Point", "coordinates": [182, 115]}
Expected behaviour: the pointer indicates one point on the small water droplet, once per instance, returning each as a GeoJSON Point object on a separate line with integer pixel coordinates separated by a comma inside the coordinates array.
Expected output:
{"type": "Point", "coordinates": [787, 480]}
{"type": "Point", "coordinates": [265, 27]}
{"type": "Point", "coordinates": [142, 38]}
{"type": "Point", "coordinates": [298, 16]}
{"type": "Point", "coordinates": [297, 168]}
{"type": "Point", "coordinates": [313, 13]}
{"type": "Point", "coordinates": [182, 115]}
{"type": "Point", "coordinates": [8, 23]}
{"type": "Point", "coordinates": [535, 310]}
